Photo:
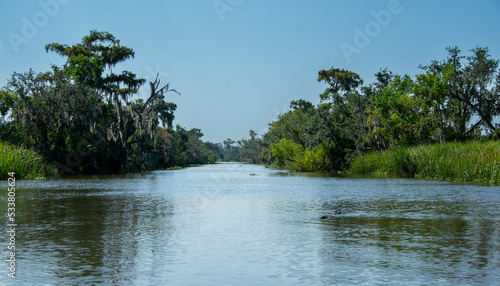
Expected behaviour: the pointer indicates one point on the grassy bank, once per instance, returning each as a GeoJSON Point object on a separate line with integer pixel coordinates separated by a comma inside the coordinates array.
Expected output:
{"type": "Point", "coordinates": [462, 162]}
{"type": "Point", "coordinates": [26, 164]}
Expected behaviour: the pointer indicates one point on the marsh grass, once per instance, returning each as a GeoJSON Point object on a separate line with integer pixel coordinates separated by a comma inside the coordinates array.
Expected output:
{"type": "Point", "coordinates": [461, 162]}
{"type": "Point", "coordinates": [174, 168]}
{"type": "Point", "coordinates": [26, 164]}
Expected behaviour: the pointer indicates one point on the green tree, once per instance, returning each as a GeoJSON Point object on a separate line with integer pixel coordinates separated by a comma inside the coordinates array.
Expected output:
{"type": "Point", "coordinates": [53, 115]}
{"type": "Point", "coordinates": [97, 52]}
{"type": "Point", "coordinates": [7, 100]}
{"type": "Point", "coordinates": [81, 118]}
{"type": "Point", "coordinates": [474, 82]}
{"type": "Point", "coordinates": [302, 105]}
{"type": "Point", "coordinates": [339, 81]}
{"type": "Point", "coordinates": [251, 150]}
{"type": "Point", "coordinates": [341, 117]}
{"type": "Point", "coordinates": [294, 125]}
{"type": "Point", "coordinates": [398, 117]}
{"type": "Point", "coordinates": [432, 88]}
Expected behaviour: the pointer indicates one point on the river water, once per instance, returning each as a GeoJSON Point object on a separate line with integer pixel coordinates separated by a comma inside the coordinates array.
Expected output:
{"type": "Point", "coordinates": [240, 224]}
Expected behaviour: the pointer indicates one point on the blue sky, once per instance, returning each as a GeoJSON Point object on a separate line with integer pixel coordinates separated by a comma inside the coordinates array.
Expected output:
{"type": "Point", "coordinates": [239, 63]}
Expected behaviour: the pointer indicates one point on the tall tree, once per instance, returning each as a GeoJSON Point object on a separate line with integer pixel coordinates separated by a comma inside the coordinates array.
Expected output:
{"type": "Point", "coordinates": [339, 81]}
{"type": "Point", "coordinates": [97, 52]}
{"type": "Point", "coordinates": [474, 81]}
{"type": "Point", "coordinates": [81, 103]}
{"type": "Point", "coordinates": [342, 116]}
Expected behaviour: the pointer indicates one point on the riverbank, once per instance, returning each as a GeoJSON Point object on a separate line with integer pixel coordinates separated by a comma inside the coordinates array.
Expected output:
{"type": "Point", "coordinates": [26, 164]}
{"type": "Point", "coordinates": [461, 162]}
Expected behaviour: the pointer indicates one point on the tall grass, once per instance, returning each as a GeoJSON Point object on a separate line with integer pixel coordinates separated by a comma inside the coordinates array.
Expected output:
{"type": "Point", "coordinates": [462, 162]}
{"type": "Point", "coordinates": [26, 164]}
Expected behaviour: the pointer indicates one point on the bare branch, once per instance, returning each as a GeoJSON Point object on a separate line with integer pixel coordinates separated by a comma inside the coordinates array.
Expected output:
{"type": "Point", "coordinates": [155, 92]}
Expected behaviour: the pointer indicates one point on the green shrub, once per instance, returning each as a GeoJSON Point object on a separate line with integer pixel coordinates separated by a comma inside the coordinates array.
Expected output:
{"type": "Point", "coordinates": [297, 158]}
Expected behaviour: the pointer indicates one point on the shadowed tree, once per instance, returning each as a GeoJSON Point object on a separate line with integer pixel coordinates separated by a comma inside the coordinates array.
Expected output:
{"type": "Point", "coordinates": [68, 108]}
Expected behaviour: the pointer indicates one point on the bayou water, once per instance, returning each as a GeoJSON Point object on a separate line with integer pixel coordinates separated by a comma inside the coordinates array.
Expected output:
{"type": "Point", "coordinates": [241, 224]}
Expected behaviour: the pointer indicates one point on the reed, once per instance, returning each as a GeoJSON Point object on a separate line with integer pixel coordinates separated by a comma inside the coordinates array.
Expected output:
{"type": "Point", "coordinates": [461, 162]}
{"type": "Point", "coordinates": [26, 164]}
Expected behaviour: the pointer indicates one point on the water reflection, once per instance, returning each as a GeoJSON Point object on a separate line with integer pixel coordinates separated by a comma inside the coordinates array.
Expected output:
{"type": "Point", "coordinates": [219, 225]}
{"type": "Point", "coordinates": [414, 241]}
{"type": "Point", "coordinates": [91, 237]}
{"type": "Point", "coordinates": [427, 249]}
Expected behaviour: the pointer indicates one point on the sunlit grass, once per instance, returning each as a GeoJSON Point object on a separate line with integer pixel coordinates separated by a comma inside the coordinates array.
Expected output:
{"type": "Point", "coordinates": [462, 162]}
{"type": "Point", "coordinates": [26, 164]}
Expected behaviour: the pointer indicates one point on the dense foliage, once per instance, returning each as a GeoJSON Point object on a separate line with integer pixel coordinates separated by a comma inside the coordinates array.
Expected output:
{"type": "Point", "coordinates": [81, 117]}
{"type": "Point", "coordinates": [456, 99]}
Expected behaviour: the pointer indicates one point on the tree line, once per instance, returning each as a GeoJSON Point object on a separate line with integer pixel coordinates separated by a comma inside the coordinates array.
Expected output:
{"type": "Point", "coordinates": [456, 99]}
{"type": "Point", "coordinates": [82, 117]}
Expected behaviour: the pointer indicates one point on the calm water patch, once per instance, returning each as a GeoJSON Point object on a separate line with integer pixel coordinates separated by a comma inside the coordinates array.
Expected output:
{"type": "Point", "coordinates": [239, 224]}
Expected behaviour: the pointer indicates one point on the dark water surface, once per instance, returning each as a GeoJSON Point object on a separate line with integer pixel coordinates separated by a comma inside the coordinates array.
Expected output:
{"type": "Point", "coordinates": [238, 224]}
